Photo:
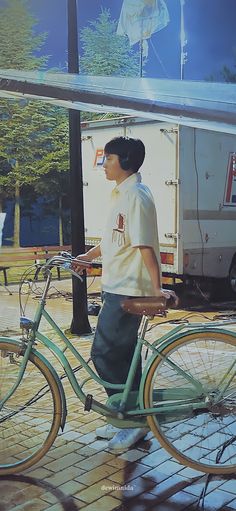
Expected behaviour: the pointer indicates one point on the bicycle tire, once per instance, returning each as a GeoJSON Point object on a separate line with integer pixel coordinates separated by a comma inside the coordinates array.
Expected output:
{"type": "Point", "coordinates": [30, 419]}
{"type": "Point", "coordinates": [203, 440]}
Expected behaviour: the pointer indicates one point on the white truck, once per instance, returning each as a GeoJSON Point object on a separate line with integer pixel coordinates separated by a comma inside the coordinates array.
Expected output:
{"type": "Point", "coordinates": [192, 175]}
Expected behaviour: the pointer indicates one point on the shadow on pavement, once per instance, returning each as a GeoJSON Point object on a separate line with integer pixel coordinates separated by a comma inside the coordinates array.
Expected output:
{"type": "Point", "coordinates": [67, 502]}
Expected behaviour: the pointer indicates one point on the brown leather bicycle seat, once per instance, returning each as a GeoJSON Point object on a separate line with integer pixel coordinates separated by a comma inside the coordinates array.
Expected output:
{"type": "Point", "coordinates": [145, 305]}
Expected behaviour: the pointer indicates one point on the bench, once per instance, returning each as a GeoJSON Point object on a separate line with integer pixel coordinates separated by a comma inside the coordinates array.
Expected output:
{"type": "Point", "coordinates": [21, 256]}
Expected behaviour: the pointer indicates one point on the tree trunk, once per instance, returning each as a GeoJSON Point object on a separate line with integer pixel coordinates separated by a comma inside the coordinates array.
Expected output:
{"type": "Point", "coordinates": [60, 223]}
{"type": "Point", "coordinates": [2, 220]}
{"type": "Point", "coordinates": [16, 235]}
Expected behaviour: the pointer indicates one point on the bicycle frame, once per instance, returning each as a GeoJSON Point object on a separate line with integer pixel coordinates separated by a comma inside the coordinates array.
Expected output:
{"type": "Point", "coordinates": [126, 407]}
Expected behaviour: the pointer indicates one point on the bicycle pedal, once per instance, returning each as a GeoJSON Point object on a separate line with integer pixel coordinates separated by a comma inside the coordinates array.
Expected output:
{"type": "Point", "coordinates": [88, 403]}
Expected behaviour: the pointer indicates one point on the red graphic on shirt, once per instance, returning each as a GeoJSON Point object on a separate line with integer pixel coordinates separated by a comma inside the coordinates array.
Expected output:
{"type": "Point", "coordinates": [118, 234]}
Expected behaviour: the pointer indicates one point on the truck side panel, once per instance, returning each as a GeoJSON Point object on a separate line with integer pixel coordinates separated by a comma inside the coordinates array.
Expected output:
{"type": "Point", "coordinates": [208, 187]}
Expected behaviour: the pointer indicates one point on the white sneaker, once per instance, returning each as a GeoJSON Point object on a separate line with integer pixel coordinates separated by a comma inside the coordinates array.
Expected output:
{"type": "Point", "coordinates": [107, 431]}
{"type": "Point", "coordinates": [126, 438]}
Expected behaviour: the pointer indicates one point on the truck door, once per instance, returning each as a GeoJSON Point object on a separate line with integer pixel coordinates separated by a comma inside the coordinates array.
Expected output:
{"type": "Point", "coordinates": [159, 172]}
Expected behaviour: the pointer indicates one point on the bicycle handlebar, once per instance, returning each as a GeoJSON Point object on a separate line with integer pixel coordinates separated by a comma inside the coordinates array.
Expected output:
{"type": "Point", "coordinates": [88, 264]}
{"type": "Point", "coordinates": [65, 259]}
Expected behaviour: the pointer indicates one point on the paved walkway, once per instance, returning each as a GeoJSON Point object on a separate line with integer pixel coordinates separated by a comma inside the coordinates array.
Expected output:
{"type": "Point", "coordinates": [79, 473]}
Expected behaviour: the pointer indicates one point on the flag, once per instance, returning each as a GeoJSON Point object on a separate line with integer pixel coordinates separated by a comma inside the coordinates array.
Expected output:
{"type": "Point", "coordinates": [139, 19]}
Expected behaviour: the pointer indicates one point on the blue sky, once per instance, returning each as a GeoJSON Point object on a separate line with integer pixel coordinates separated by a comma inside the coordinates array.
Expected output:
{"type": "Point", "coordinates": [209, 25]}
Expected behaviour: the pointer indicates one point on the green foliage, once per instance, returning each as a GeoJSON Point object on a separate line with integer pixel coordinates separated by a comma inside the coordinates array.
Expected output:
{"type": "Point", "coordinates": [18, 43]}
{"type": "Point", "coordinates": [226, 74]}
{"type": "Point", "coordinates": [33, 135]}
{"type": "Point", "coordinates": [105, 52]}
{"type": "Point", "coordinates": [33, 141]}
{"type": "Point", "coordinates": [51, 169]}
{"type": "Point", "coordinates": [229, 75]}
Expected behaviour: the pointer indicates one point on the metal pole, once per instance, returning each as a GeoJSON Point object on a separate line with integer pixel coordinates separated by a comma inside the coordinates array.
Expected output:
{"type": "Point", "coordinates": [141, 51]}
{"type": "Point", "coordinates": [183, 53]}
{"type": "Point", "coordinates": [80, 323]}
{"type": "Point", "coordinates": [141, 57]}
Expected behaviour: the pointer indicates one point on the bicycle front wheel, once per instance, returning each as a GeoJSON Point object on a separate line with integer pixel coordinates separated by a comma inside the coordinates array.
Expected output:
{"type": "Point", "coordinates": [30, 419]}
{"type": "Point", "coordinates": [205, 438]}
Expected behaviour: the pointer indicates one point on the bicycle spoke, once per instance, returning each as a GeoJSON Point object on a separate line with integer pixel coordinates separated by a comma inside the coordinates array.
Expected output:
{"type": "Point", "coordinates": [28, 420]}
{"type": "Point", "coordinates": [203, 439]}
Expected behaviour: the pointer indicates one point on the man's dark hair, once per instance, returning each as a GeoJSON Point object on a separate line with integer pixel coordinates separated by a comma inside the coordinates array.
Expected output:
{"type": "Point", "coordinates": [130, 151]}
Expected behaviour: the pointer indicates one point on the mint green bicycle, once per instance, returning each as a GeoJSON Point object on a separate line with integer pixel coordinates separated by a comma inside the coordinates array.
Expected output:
{"type": "Point", "coordinates": [187, 393]}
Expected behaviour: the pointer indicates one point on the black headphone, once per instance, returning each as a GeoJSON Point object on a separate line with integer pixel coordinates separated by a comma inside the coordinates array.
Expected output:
{"type": "Point", "coordinates": [125, 162]}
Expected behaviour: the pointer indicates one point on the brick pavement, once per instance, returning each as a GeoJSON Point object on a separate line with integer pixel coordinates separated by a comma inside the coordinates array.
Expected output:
{"type": "Point", "coordinates": [79, 473]}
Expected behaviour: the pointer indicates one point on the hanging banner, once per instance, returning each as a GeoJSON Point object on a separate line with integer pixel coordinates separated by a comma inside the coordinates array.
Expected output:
{"type": "Point", "coordinates": [139, 19]}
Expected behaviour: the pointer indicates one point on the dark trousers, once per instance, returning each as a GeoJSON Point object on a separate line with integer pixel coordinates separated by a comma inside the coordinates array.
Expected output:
{"type": "Point", "coordinates": [114, 342]}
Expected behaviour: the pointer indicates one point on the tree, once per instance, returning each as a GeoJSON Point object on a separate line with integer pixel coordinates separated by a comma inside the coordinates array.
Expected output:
{"type": "Point", "coordinates": [18, 42]}
{"type": "Point", "coordinates": [52, 168]}
{"type": "Point", "coordinates": [226, 74]}
{"type": "Point", "coordinates": [105, 52]}
{"type": "Point", "coordinates": [34, 147]}
{"type": "Point", "coordinates": [28, 130]}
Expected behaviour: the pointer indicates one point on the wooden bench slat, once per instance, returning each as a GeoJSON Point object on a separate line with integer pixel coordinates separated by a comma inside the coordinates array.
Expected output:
{"type": "Point", "coordinates": [31, 257]}
{"type": "Point", "coordinates": [12, 256]}
{"type": "Point", "coordinates": [46, 248]}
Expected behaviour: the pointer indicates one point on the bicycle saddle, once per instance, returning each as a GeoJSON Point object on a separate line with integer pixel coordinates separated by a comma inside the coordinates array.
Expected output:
{"type": "Point", "coordinates": [145, 305]}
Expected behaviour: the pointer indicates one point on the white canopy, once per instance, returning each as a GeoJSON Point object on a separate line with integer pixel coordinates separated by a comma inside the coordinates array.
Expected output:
{"type": "Point", "coordinates": [204, 105]}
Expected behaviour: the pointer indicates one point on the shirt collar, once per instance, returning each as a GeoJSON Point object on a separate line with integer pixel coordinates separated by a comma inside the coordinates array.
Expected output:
{"type": "Point", "coordinates": [122, 187]}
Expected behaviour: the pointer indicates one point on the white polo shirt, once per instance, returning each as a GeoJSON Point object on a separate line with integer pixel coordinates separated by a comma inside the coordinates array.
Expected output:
{"type": "Point", "coordinates": [132, 223]}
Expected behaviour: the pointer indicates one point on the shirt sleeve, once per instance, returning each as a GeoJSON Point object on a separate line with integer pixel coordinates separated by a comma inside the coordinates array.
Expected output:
{"type": "Point", "coordinates": [142, 220]}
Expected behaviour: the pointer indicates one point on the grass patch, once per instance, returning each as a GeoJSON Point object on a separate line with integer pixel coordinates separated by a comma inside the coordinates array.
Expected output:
{"type": "Point", "coordinates": [15, 273]}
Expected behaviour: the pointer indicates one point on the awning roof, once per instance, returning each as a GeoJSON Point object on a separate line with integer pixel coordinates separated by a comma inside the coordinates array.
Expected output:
{"type": "Point", "coordinates": [204, 105]}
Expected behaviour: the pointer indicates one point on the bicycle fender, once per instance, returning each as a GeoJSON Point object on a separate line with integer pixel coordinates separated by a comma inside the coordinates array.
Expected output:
{"type": "Point", "coordinates": [43, 359]}
{"type": "Point", "coordinates": [9, 340]}
{"type": "Point", "coordinates": [60, 386]}
{"type": "Point", "coordinates": [195, 331]}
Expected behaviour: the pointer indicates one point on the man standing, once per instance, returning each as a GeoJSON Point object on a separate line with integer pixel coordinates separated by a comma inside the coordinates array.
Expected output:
{"type": "Point", "coordinates": [130, 267]}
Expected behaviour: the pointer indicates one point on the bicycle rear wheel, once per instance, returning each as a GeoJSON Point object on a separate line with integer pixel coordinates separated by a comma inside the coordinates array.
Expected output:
{"type": "Point", "coordinates": [203, 439]}
{"type": "Point", "coordinates": [30, 419]}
